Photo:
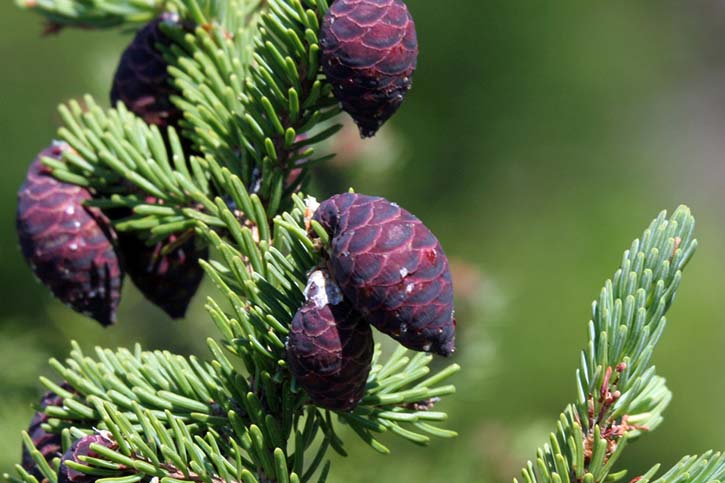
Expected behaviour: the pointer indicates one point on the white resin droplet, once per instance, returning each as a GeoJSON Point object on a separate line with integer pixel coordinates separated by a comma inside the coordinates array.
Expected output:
{"type": "Point", "coordinates": [322, 290]}
{"type": "Point", "coordinates": [311, 204]}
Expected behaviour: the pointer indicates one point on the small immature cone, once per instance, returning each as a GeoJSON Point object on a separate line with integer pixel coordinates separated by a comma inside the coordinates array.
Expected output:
{"type": "Point", "coordinates": [169, 281]}
{"type": "Point", "coordinates": [329, 350]}
{"type": "Point", "coordinates": [82, 447]}
{"type": "Point", "coordinates": [369, 54]}
{"type": "Point", "coordinates": [69, 246]}
{"type": "Point", "coordinates": [142, 81]}
{"type": "Point", "coordinates": [49, 444]}
{"type": "Point", "coordinates": [392, 269]}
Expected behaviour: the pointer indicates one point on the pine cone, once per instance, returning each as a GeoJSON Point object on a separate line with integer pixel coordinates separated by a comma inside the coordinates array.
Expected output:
{"type": "Point", "coordinates": [392, 269]}
{"type": "Point", "coordinates": [329, 350]}
{"type": "Point", "coordinates": [69, 247]}
{"type": "Point", "coordinates": [168, 281]}
{"type": "Point", "coordinates": [49, 444]}
{"type": "Point", "coordinates": [82, 447]}
{"type": "Point", "coordinates": [369, 54]}
{"type": "Point", "coordinates": [142, 80]}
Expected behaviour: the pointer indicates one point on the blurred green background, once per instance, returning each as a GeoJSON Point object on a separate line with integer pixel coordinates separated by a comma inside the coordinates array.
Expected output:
{"type": "Point", "coordinates": [539, 139]}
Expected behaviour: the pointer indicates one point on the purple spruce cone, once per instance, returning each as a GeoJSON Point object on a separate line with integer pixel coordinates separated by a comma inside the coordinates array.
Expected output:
{"type": "Point", "coordinates": [169, 280]}
{"type": "Point", "coordinates": [49, 444]}
{"type": "Point", "coordinates": [369, 54]}
{"type": "Point", "coordinates": [329, 349]}
{"type": "Point", "coordinates": [69, 246]}
{"type": "Point", "coordinates": [82, 447]}
{"type": "Point", "coordinates": [142, 80]}
{"type": "Point", "coordinates": [392, 269]}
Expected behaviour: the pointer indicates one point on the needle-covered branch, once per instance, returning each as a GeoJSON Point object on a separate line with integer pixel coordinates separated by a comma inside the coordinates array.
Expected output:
{"type": "Point", "coordinates": [619, 394]}
{"type": "Point", "coordinates": [218, 107]}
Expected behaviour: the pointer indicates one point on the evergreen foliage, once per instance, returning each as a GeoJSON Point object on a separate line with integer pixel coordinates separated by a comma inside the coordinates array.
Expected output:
{"type": "Point", "coordinates": [619, 395]}
{"type": "Point", "coordinates": [255, 105]}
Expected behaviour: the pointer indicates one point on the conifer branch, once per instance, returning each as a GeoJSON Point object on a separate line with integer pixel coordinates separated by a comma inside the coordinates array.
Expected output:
{"type": "Point", "coordinates": [94, 13]}
{"type": "Point", "coordinates": [619, 394]}
{"type": "Point", "coordinates": [254, 103]}
{"type": "Point", "coordinates": [261, 271]}
{"type": "Point", "coordinates": [709, 467]}
{"type": "Point", "coordinates": [254, 99]}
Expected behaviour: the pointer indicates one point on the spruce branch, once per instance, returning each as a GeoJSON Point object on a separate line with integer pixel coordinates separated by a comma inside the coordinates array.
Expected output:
{"type": "Point", "coordinates": [154, 381]}
{"type": "Point", "coordinates": [101, 14]}
{"type": "Point", "coordinates": [263, 284]}
{"type": "Point", "coordinates": [708, 467]}
{"type": "Point", "coordinates": [94, 13]}
{"type": "Point", "coordinates": [619, 394]}
{"type": "Point", "coordinates": [261, 271]}
{"type": "Point", "coordinates": [254, 105]}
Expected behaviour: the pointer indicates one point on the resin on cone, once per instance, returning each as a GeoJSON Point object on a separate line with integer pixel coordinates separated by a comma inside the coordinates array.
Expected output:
{"type": "Point", "coordinates": [392, 269]}
{"type": "Point", "coordinates": [329, 349]}
{"type": "Point", "coordinates": [82, 447]}
{"type": "Point", "coordinates": [69, 246]}
{"type": "Point", "coordinates": [369, 54]}
{"type": "Point", "coordinates": [141, 81]}
{"type": "Point", "coordinates": [168, 280]}
{"type": "Point", "coordinates": [49, 444]}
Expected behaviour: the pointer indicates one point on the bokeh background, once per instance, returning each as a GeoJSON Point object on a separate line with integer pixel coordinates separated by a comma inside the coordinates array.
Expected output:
{"type": "Point", "coordinates": [539, 139]}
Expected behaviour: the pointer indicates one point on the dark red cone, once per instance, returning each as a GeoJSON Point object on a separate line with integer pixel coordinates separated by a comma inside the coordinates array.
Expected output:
{"type": "Point", "coordinates": [82, 447]}
{"type": "Point", "coordinates": [329, 349]}
{"type": "Point", "coordinates": [68, 246]}
{"type": "Point", "coordinates": [49, 444]}
{"type": "Point", "coordinates": [142, 80]}
{"type": "Point", "coordinates": [392, 269]}
{"type": "Point", "coordinates": [169, 281]}
{"type": "Point", "coordinates": [369, 54]}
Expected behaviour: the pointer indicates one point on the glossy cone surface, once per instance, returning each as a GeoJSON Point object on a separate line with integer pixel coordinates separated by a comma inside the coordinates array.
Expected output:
{"type": "Point", "coordinates": [329, 351]}
{"type": "Point", "coordinates": [392, 269]}
{"type": "Point", "coordinates": [141, 81]}
{"type": "Point", "coordinates": [68, 246]}
{"type": "Point", "coordinates": [369, 54]}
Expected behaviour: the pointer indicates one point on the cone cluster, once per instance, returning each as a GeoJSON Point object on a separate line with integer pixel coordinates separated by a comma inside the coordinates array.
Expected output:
{"type": "Point", "coordinates": [73, 249]}
{"type": "Point", "coordinates": [384, 268]}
